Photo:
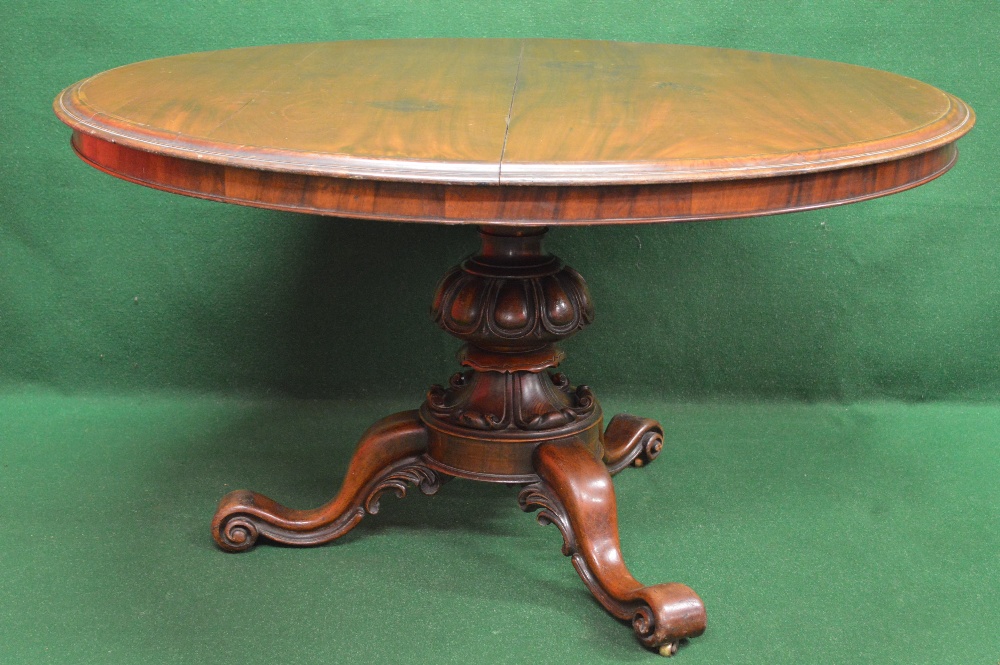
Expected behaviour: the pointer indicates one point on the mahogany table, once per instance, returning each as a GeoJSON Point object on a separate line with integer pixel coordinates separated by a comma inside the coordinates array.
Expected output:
{"type": "Point", "coordinates": [512, 136]}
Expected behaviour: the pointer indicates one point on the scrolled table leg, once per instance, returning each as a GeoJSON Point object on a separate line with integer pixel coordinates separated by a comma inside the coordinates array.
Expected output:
{"type": "Point", "coordinates": [388, 458]}
{"type": "Point", "coordinates": [631, 440]}
{"type": "Point", "coordinates": [576, 494]}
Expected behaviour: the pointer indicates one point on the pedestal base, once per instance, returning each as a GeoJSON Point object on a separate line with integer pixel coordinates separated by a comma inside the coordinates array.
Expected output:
{"type": "Point", "coordinates": [507, 419]}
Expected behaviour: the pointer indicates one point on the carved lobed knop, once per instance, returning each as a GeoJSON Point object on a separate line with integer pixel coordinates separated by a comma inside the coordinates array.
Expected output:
{"type": "Point", "coordinates": [492, 309]}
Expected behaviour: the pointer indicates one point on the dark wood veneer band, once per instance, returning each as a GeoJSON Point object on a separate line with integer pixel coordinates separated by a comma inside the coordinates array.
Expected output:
{"type": "Point", "coordinates": [538, 205]}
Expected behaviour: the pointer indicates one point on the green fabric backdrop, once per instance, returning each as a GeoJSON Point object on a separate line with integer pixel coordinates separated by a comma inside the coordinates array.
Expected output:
{"type": "Point", "coordinates": [153, 349]}
{"type": "Point", "coordinates": [109, 286]}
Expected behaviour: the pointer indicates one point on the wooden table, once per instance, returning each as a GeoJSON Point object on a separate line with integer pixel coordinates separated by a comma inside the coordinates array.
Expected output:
{"type": "Point", "coordinates": [513, 136]}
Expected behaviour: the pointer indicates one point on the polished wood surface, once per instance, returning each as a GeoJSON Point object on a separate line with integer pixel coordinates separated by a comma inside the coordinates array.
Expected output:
{"type": "Point", "coordinates": [432, 110]}
{"type": "Point", "coordinates": [514, 131]}
{"type": "Point", "coordinates": [611, 112]}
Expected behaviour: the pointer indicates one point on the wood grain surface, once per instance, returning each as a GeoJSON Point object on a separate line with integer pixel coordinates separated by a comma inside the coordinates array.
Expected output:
{"type": "Point", "coordinates": [529, 131]}
{"type": "Point", "coordinates": [610, 112]}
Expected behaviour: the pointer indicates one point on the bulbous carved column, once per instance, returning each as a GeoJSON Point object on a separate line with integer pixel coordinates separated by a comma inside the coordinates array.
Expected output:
{"type": "Point", "coordinates": [510, 303]}
{"type": "Point", "coordinates": [512, 297]}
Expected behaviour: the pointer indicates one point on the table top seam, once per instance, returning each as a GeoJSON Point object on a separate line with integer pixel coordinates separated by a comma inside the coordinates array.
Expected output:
{"type": "Point", "coordinates": [510, 112]}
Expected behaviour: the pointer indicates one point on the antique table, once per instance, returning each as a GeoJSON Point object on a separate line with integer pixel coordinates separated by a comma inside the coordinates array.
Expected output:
{"type": "Point", "coordinates": [511, 136]}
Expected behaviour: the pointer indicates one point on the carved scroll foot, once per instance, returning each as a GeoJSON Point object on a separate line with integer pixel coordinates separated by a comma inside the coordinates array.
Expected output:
{"type": "Point", "coordinates": [575, 493]}
{"type": "Point", "coordinates": [631, 440]}
{"type": "Point", "coordinates": [388, 457]}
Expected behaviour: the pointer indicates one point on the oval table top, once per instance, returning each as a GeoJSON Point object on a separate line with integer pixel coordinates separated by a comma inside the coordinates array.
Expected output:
{"type": "Point", "coordinates": [504, 131]}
